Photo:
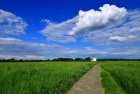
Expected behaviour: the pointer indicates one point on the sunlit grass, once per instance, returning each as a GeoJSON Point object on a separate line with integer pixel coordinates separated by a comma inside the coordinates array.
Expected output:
{"type": "Point", "coordinates": [126, 74]}
{"type": "Point", "coordinates": [109, 85]}
{"type": "Point", "coordinates": [40, 78]}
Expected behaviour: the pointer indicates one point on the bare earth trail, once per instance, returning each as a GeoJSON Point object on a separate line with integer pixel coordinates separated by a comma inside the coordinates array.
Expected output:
{"type": "Point", "coordinates": [89, 83]}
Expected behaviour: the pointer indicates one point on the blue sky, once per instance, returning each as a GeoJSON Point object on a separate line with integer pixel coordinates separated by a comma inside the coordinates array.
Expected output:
{"type": "Point", "coordinates": [47, 29]}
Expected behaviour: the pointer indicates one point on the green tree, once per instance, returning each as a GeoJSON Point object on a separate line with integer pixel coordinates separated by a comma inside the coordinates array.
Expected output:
{"type": "Point", "coordinates": [12, 60]}
{"type": "Point", "coordinates": [78, 59]}
{"type": "Point", "coordinates": [87, 59]}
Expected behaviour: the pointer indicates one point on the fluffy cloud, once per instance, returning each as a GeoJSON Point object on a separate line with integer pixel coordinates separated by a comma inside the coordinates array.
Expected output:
{"type": "Point", "coordinates": [125, 31]}
{"type": "Point", "coordinates": [86, 21]}
{"type": "Point", "coordinates": [11, 24]}
{"type": "Point", "coordinates": [58, 31]}
{"type": "Point", "coordinates": [121, 39]}
{"type": "Point", "coordinates": [92, 20]}
{"type": "Point", "coordinates": [110, 25]}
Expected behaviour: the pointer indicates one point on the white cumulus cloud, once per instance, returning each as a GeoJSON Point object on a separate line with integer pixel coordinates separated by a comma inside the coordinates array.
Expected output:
{"type": "Point", "coordinates": [110, 24]}
{"type": "Point", "coordinates": [11, 24]}
{"type": "Point", "coordinates": [125, 31]}
{"type": "Point", "coordinates": [58, 31]}
{"type": "Point", "coordinates": [92, 20]}
{"type": "Point", "coordinates": [85, 21]}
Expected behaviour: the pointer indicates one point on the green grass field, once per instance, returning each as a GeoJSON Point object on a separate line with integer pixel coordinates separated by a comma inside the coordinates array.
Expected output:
{"type": "Point", "coordinates": [119, 77]}
{"type": "Point", "coordinates": [40, 78]}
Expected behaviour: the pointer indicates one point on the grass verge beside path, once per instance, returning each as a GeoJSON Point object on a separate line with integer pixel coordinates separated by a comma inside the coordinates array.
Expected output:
{"type": "Point", "coordinates": [109, 84]}
{"type": "Point", "coordinates": [125, 73]}
{"type": "Point", "coordinates": [40, 78]}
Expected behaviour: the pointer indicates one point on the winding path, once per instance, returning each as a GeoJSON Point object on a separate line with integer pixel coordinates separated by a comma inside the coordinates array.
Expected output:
{"type": "Point", "coordinates": [89, 83]}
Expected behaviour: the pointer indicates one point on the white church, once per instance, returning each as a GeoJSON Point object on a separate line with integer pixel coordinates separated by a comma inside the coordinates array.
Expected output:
{"type": "Point", "coordinates": [94, 59]}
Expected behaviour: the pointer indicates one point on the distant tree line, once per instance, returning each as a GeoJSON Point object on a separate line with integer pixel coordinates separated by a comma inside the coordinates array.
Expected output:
{"type": "Point", "coordinates": [65, 59]}
{"type": "Point", "coordinates": [55, 59]}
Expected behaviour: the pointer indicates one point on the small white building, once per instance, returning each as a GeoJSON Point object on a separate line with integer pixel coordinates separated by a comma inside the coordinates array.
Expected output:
{"type": "Point", "coordinates": [94, 59]}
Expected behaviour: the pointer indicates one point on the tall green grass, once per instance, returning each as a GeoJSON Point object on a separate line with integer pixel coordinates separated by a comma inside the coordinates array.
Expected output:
{"type": "Point", "coordinates": [126, 74]}
{"type": "Point", "coordinates": [109, 84]}
{"type": "Point", "coordinates": [40, 78]}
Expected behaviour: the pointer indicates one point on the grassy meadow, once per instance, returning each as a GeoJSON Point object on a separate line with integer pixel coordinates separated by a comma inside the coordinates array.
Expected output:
{"type": "Point", "coordinates": [40, 78]}
{"type": "Point", "coordinates": [121, 77]}
{"type": "Point", "coordinates": [117, 77]}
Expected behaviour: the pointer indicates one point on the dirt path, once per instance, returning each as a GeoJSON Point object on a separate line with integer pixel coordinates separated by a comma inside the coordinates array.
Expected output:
{"type": "Point", "coordinates": [89, 83]}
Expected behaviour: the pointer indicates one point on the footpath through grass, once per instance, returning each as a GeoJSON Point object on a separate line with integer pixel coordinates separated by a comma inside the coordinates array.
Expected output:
{"type": "Point", "coordinates": [40, 78]}
{"type": "Point", "coordinates": [125, 73]}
